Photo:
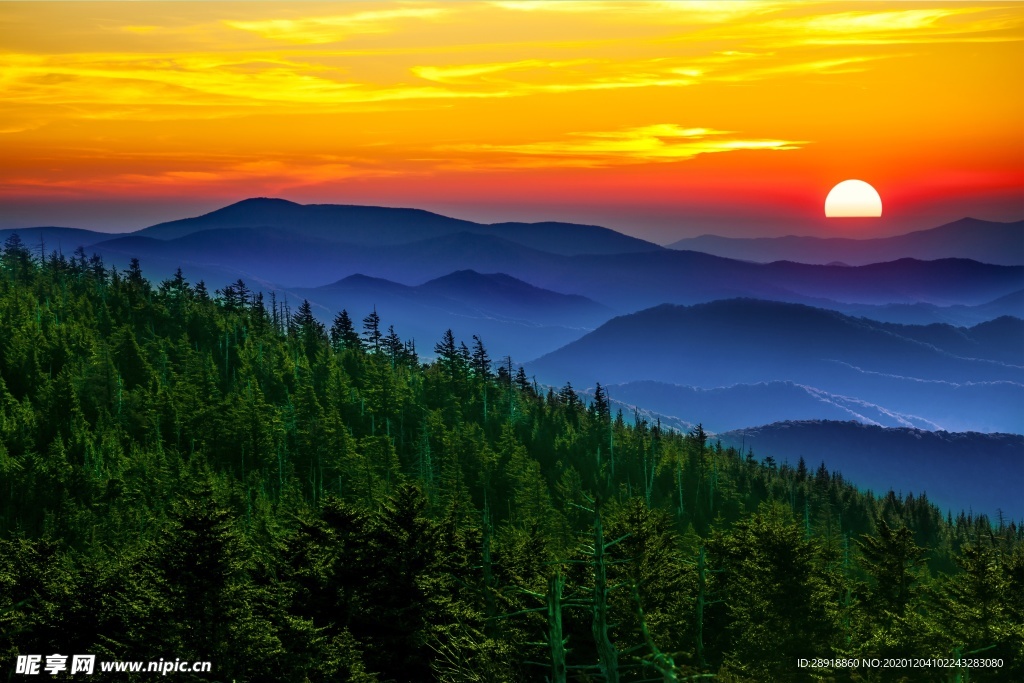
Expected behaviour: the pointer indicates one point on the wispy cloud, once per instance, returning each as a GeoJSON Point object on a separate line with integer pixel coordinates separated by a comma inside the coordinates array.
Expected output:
{"type": "Point", "coordinates": [330, 29]}
{"type": "Point", "coordinates": [469, 72]}
{"type": "Point", "coordinates": [726, 44]}
{"type": "Point", "coordinates": [195, 81]}
{"type": "Point", "coordinates": [662, 142]}
{"type": "Point", "coordinates": [666, 11]}
{"type": "Point", "coordinates": [820, 67]}
{"type": "Point", "coordinates": [526, 77]}
{"type": "Point", "coordinates": [174, 175]}
{"type": "Point", "coordinates": [942, 24]}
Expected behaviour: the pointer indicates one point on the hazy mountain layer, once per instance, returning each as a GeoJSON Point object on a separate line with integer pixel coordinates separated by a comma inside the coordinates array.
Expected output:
{"type": "Point", "coordinates": [625, 282]}
{"type": "Point", "coordinates": [513, 317]}
{"type": "Point", "coordinates": [970, 238]}
{"type": "Point", "coordinates": [982, 471]}
{"type": "Point", "coordinates": [281, 242]}
{"type": "Point", "coordinates": [382, 226]}
{"type": "Point", "coordinates": [61, 240]}
{"type": "Point", "coordinates": [743, 341]}
{"type": "Point", "coordinates": [926, 314]}
{"type": "Point", "coordinates": [761, 403]}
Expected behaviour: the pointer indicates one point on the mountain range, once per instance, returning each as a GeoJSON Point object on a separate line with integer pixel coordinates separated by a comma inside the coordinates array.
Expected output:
{"type": "Point", "coordinates": [957, 470]}
{"type": "Point", "coordinates": [781, 334]}
{"type": "Point", "coordinates": [970, 238]}
{"type": "Point", "coordinates": [515, 318]}
{"type": "Point", "coordinates": [925, 314]}
{"type": "Point", "coordinates": [914, 375]}
{"type": "Point", "coordinates": [902, 334]}
{"type": "Point", "coordinates": [376, 226]}
{"type": "Point", "coordinates": [282, 245]}
{"type": "Point", "coordinates": [624, 282]}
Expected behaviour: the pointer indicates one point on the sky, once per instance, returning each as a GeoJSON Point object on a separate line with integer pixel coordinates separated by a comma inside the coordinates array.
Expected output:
{"type": "Point", "coordinates": [659, 119]}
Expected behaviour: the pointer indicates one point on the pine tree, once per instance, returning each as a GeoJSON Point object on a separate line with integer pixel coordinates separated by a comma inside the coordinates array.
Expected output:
{"type": "Point", "coordinates": [894, 562]}
{"type": "Point", "coordinates": [343, 333]}
{"type": "Point", "coordinates": [895, 565]}
{"type": "Point", "coordinates": [600, 405]}
{"type": "Point", "coordinates": [448, 353]}
{"type": "Point", "coordinates": [135, 277]}
{"type": "Point", "coordinates": [776, 607]}
{"type": "Point", "coordinates": [393, 346]}
{"type": "Point", "coordinates": [214, 611]}
{"type": "Point", "coordinates": [371, 331]}
{"type": "Point", "coordinates": [481, 362]}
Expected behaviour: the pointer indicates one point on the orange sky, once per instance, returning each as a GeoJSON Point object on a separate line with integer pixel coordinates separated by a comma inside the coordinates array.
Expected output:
{"type": "Point", "coordinates": [663, 119]}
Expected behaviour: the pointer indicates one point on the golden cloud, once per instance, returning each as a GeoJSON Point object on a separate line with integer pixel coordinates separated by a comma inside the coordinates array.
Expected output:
{"type": "Point", "coordinates": [277, 174]}
{"type": "Point", "coordinates": [665, 11]}
{"type": "Point", "coordinates": [458, 74]}
{"type": "Point", "coordinates": [882, 27]}
{"type": "Point", "coordinates": [663, 142]}
{"type": "Point", "coordinates": [330, 29]}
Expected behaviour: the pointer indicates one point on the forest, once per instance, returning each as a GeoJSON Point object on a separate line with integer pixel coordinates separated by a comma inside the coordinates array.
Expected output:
{"type": "Point", "coordinates": [210, 475]}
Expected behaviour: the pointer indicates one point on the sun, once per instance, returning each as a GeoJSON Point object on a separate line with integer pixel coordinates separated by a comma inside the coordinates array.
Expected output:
{"type": "Point", "coordinates": [853, 198]}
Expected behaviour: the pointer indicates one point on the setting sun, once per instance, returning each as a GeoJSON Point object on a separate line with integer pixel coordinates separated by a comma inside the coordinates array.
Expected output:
{"type": "Point", "coordinates": [853, 199]}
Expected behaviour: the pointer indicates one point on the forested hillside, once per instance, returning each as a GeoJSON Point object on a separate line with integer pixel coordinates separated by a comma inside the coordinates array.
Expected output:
{"type": "Point", "coordinates": [210, 476]}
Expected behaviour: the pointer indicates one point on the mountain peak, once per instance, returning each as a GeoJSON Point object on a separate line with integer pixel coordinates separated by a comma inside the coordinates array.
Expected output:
{"type": "Point", "coordinates": [254, 208]}
{"type": "Point", "coordinates": [256, 200]}
{"type": "Point", "coordinates": [485, 281]}
{"type": "Point", "coordinates": [260, 202]}
{"type": "Point", "coordinates": [361, 279]}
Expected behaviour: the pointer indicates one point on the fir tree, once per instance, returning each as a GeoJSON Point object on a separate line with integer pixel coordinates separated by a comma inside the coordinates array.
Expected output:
{"type": "Point", "coordinates": [343, 333]}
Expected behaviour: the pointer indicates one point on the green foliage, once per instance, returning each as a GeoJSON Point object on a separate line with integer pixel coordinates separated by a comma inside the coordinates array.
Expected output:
{"type": "Point", "coordinates": [200, 476]}
{"type": "Point", "coordinates": [777, 607]}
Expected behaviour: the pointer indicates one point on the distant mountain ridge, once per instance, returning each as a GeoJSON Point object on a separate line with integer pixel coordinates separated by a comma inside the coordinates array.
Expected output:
{"type": "Point", "coordinates": [878, 367]}
{"type": "Point", "coordinates": [762, 403]}
{"type": "Point", "coordinates": [55, 238]}
{"type": "Point", "coordinates": [623, 281]}
{"type": "Point", "coordinates": [383, 226]}
{"type": "Point", "coordinates": [791, 338]}
{"type": "Point", "coordinates": [516, 297]}
{"type": "Point", "coordinates": [958, 315]}
{"type": "Point", "coordinates": [957, 470]}
{"type": "Point", "coordinates": [970, 238]}
{"type": "Point", "coordinates": [512, 317]}
{"type": "Point", "coordinates": [292, 245]}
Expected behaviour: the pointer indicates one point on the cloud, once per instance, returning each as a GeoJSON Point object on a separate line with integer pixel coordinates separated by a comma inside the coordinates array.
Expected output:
{"type": "Point", "coordinates": [726, 44]}
{"type": "Point", "coordinates": [178, 174]}
{"type": "Point", "coordinates": [233, 82]}
{"type": "Point", "coordinates": [330, 29]}
{"type": "Point", "coordinates": [526, 77]}
{"type": "Point", "coordinates": [664, 11]}
{"type": "Point", "coordinates": [664, 142]}
{"type": "Point", "coordinates": [467, 72]}
{"type": "Point", "coordinates": [532, 76]}
{"type": "Point", "coordinates": [822, 67]}
{"type": "Point", "coordinates": [943, 24]}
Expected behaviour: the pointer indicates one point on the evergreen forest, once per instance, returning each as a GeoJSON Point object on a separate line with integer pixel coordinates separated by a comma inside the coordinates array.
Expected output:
{"type": "Point", "coordinates": [211, 475]}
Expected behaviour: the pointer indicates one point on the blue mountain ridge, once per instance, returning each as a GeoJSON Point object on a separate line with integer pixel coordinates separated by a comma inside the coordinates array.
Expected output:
{"type": "Point", "coordinates": [384, 226]}
{"type": "Point", "coordinates": [748, 342]}
{"type": "Point", "coordinates": [983, 473]}
{"type": "Point", "coordinates": [985, 241]}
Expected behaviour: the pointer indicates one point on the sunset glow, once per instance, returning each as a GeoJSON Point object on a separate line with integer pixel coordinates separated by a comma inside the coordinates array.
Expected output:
{"type": "Point", "coordinates": [660, 118]}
